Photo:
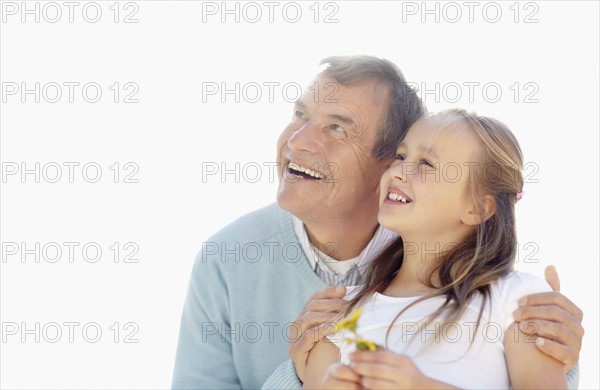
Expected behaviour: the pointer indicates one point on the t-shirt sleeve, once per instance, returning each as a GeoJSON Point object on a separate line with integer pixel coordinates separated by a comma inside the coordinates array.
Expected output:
{"type": "Point", "coordinates": [513, 287]}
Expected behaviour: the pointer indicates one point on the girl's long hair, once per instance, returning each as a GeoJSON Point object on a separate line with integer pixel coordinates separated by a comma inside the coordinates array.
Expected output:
{"type": "Point", "coordinates": [488, 253]}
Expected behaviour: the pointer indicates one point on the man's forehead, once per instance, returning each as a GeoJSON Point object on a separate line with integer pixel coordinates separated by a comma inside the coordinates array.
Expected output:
{"type": "Point", "coordinates": [328, 90]}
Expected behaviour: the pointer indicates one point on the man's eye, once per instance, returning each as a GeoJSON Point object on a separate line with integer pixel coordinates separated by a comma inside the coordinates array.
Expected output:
{"type": "Point", "coordinates": [336, 127]}
{"type": "Point", "coordinates": [299, 114]}
{"type": "Point", "coordinates": [400, 157]}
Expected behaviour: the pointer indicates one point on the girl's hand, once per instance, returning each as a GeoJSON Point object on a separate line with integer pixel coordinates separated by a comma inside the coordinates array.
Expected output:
{"type": "Point", "coordinates": [388, 370]}
{"type": "Point", "coordinates": [340, 376]}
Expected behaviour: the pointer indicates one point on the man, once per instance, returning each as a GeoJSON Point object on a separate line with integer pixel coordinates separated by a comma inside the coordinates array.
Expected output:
{"type": "Point", "coordinates": [253, 277]}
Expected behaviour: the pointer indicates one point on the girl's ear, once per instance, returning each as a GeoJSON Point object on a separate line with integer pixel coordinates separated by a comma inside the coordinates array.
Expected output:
{"type": "Point", "coordinates": [474, 216]}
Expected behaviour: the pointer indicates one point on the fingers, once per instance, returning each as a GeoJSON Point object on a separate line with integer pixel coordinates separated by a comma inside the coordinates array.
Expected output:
{"type": "Point", "coordinates": [305, 340]}
{"type": "Point", "coordinates": [385, 370]}
{"type": "Point", "coordinates": [310, 320]}
{"type": "Point", "coordinates": [550, 314]}
{"type": "Point", "coordinates": [560, 330]}
{"type": "Point", "coordinates": [381, 364]}
{"type": "Point", "coordinates": [344, 373]}
{"type": "Point", "coordinates": [554, 331]}
{"type": "Point", "coordinates": [329, 292]}
{"type": "Point", "coordinates": [326, 305]}
{"type": "Point", "coordinates": [551, 276]}
{"type": "Point", "coordinates": [374, 383]}
{"type": "Point", "coordinates": [376, 357]}
{"type": "Point", "coordinates": [375, 370]}
{"type": "Point", "coordinates": [302, 343]}
{"type": "Point", "coordinates": [316, 321]}
{"type": "Point", "coordinates": [547, 313]}
{"type": "Point", "coordinates": [322, 307]}
{"type": "Point", "coordinates": [559, 352]}
{"type": "Point", "coordinates": [556, 340]}
{"type": "Point", "coordinates": [340, 376]}
{"type": "Point", "coordinates": [552, 299]}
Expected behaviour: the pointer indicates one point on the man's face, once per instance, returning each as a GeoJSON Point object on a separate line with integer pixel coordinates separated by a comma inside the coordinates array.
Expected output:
{"type": "Point", "coordinates": [327, 173]}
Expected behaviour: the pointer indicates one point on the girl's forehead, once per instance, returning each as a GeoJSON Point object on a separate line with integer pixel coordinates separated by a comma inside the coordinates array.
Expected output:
{"type": "Point", "coordinates": [439, 127]}
{"type": "Point", "coordinates": [442, 135]}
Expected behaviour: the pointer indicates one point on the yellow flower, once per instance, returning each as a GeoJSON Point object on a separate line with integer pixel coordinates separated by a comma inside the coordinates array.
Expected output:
{"type": "Point", "coordinates": [349, 322]}
{"type": "Point", "coordinates": [365, 345]}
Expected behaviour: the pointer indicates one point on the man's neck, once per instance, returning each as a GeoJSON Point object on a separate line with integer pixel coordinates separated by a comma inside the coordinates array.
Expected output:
{"type": "Point", "coordinates": [341, 241]}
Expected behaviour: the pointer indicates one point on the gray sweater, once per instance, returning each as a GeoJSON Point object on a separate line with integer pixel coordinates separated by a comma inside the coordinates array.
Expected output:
{"type": "Point", "coordinates": [249, 282]}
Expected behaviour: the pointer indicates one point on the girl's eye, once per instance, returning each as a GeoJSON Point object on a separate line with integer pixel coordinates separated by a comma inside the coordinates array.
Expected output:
{"type": "Point", "coordinates": [400, 157]}
{"type": "Point", "coordinates": [425, 162]}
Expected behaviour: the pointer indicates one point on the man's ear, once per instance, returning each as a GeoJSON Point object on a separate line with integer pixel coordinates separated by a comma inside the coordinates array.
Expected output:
{"type": "Point", "coordinates": [474, 216]}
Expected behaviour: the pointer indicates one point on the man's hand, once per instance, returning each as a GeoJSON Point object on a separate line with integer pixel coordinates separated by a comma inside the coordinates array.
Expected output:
{"type": "Point", "coordinates": [555, 320]}
{"type": "Point", "coordinates": [314, 323]}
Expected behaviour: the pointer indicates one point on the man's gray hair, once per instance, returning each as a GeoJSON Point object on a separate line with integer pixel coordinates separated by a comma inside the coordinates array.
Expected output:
{"type": "Point", "coordinates": [404, 107]}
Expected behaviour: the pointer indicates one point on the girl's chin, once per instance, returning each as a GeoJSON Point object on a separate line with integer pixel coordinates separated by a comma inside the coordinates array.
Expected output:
{"type": "Point", "coordinates": [392, 224]}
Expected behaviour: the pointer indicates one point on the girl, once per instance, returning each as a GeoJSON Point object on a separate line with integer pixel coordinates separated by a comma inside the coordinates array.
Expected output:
{"type": "Point", "coordinates": [439, 298]}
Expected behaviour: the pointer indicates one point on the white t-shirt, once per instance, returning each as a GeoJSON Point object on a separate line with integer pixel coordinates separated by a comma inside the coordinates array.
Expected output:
{"type": "Point", "coordinates": [447, 357]}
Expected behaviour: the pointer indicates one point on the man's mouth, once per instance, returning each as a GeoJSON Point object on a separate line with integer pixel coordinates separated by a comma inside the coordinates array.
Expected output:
{"type": "Point", "coordinates": [304, 172]}
{"type": "Point", "coordinates": [395, 197]}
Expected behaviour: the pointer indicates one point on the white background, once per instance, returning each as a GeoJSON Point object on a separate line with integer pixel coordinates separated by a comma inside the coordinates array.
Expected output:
{"type": "Point", "coordinates": [171, 134]}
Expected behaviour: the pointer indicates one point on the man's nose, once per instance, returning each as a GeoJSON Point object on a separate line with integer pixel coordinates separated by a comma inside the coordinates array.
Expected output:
{"type": "Point", "coordinates": [306, 139]}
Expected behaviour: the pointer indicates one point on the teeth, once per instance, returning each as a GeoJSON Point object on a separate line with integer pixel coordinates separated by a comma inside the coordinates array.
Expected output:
{"type": "Point", "coordinates": [308, 171]}
{"type": "Point", "coordinates": [397, 197]}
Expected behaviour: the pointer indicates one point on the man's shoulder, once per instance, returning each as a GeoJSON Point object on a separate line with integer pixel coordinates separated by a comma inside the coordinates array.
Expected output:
{"type": "Point", "coordinates": [261, 224]}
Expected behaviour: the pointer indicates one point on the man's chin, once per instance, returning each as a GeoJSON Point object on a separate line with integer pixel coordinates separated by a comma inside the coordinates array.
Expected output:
{"type": "Point", "coordinates": [295, 204]}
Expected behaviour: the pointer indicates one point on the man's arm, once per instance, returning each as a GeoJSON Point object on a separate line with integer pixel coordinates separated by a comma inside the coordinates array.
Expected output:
{"type": "Point", "coordinates": [557, 321]}
{"type": "Point", "coordinates": [204, 354]}
{"type": "Point", "coordinates": [284, 377]}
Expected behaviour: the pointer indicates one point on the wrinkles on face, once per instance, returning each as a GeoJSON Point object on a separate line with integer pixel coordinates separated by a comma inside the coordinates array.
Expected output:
{"type": "Point", "coordinates": [338, 136]}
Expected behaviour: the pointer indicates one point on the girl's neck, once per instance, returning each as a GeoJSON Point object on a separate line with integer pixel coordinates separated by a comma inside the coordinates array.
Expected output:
{"type": "Point", "coordinates": [420, 257]}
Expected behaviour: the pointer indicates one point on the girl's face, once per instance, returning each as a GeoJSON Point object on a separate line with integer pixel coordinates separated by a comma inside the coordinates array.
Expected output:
{"type": "Point", "coordinates": [426, 191]}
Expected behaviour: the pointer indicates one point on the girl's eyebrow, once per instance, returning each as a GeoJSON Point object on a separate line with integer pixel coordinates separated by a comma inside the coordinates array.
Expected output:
{"type": "Point", "coordinates": [427, 150]}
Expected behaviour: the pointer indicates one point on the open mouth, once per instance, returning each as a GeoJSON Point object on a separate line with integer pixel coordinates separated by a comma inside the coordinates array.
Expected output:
{"type": "Point", "coordinates": [394, 197]}
{"type": "Point", "coordinates": [306, 173]}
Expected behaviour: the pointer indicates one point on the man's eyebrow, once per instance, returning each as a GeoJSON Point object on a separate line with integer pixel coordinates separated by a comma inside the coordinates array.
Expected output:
{"type": "Point", "coordinates": [342, 118]}
{"type": "Point", "coordinates": [300, 104]}
{"type": "Point", "coordinates": [337, 117]}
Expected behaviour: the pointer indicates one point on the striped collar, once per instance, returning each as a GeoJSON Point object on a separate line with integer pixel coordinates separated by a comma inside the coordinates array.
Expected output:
{"type": "Point", "coordinates": [381, 239]}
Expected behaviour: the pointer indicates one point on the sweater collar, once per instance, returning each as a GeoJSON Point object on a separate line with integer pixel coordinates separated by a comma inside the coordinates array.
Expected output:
{"type": "Point", "coordinates": [381, 239]}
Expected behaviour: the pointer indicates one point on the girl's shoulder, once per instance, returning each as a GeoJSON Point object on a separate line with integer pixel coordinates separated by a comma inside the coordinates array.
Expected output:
{"type": "Point", "coordinates": [518, 284]}
{"type": "Point", "coordinates": [506, 292]}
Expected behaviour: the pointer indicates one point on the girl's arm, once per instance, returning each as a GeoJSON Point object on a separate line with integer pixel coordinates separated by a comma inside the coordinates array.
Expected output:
{"type": "Point", "coordinates": [322, 371]}
{"type": "Point", "coordinates": [528, 367]}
